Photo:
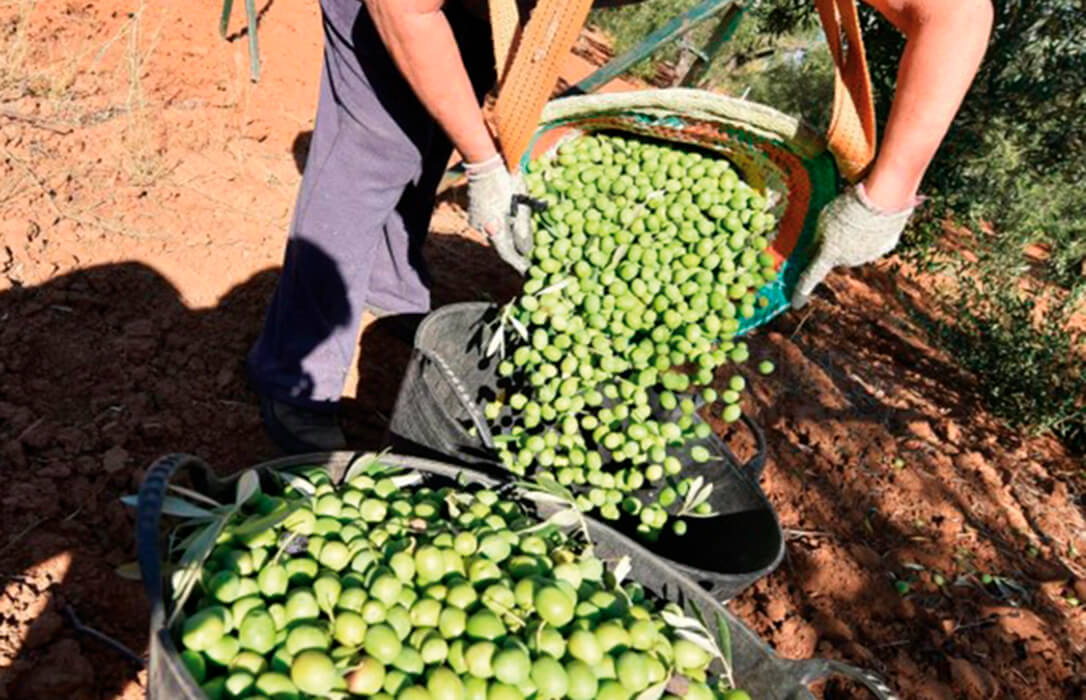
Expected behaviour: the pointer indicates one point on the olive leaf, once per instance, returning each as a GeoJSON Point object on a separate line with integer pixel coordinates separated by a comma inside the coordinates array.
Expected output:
{"type": "Point", "coordinates": [653, 692]}
{"type": "Point", "coordinates": [622, 569]}
{"type": "Point", "coordinates": [248, 484]}
{"type": "Point", "coordinates": [567, 517]}
{"type": "Point", "coordinates": [298, 482]}
{"type": "Point", "coordinates": [171, 505]}
{"type": "Point", "coordinates": [699, 493]}
{"type": "Point", "coordinates": [259, 523]}
{"type": "Point", "coordinates": [497, 341]}
{"type": "Point", "coordinates": [707, 644]}
{"type": "Point", "coordinates": [556, 287]}
{"type": "Point", "coordinates": [369, 464]}
{"type": "Point", "coordinates": [402, 480]}
{"type": "Point", "coordinates": [695, 631]}
{"type": "Point", "coordinates": [724, 637]}
{"type": "Point", "coordinates": [359, 465]}
{"type": "Point", "coordinates": [194, 495]}
{"type": "Point", "coordinates": [192, 562]}
{"type": "Point", "coordinates": [519, 327]}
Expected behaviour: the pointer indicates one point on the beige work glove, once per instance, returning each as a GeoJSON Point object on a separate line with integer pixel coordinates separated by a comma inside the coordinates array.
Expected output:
{"type": "Point", "coordinates": [493, 210]}
{"type": "Point", "coordinates": [851, 231]}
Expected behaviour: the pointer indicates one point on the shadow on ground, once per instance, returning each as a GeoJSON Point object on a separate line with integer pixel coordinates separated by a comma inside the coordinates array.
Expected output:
{"type": "Point", "coordinates": [884, 470]}
{"type": "Point", "coordinates": [101, 372]}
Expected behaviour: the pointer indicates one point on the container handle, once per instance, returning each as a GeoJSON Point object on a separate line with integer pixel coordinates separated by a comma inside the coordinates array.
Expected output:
{"type": "Point", "coordinates": [811, 670]}
{"type": "Point", "coordinates": [148, 514]}
{"type": "Point", "coordinates": [754, 466]}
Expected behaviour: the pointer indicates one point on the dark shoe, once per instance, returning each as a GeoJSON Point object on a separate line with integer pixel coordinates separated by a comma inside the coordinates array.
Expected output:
{"type": "Point", "coordinates": [298, 430]}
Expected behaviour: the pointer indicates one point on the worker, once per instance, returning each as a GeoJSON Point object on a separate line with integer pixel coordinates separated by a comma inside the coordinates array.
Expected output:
{"type": "Point", "coordinates": [401, 87]}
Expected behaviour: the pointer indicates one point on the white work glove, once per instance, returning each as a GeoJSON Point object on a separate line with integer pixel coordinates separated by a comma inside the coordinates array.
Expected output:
{"type": "Point", "coordinates": [493, 211]}
{"type": "Point", "coordinates": [851, 231]}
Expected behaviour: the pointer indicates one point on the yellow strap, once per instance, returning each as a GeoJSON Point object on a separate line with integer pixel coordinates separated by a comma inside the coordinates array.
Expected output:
{"type": "Point", "coordinates": [851, 136]}
{"type": "Point", "coordinates": [528, 77]}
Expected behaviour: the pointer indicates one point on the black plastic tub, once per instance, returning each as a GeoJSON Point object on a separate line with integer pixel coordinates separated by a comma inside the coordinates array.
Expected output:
{"type": "Point", "coordinates": [756, 667]}
{"type": "Point", "coordinates": [439, 414]}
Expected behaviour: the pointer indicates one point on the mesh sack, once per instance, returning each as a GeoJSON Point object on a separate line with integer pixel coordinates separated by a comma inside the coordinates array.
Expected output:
{"type": "Point", "coordinates": [775, 153]}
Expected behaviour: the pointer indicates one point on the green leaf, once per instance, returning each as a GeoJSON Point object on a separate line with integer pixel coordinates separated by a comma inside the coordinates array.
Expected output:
{"type": "Point", "coordinates": [622, 569]}
{"type": "Point", "coordinates": [700, 640]}
{"type": "Point", "coordinates": [549, 484]}
{"type": "Point", "coordinates": [543, 497]}
{"type": "Point", "coordinates": [248, 484]}
{"type": "Point", "coordinates": [566, 517]}
{"type": "Point", "coordinates": [194, 495]}
{"type": "Point", "coordinates": [496, 341]}
{"type": "Point", "coordinates": [679, 622]}
{"type": "Point", "coordinates": [129, 570]}
{"type": "Point", "coordinates": [298, 483]}
{"type": "Point", "coordinates": [724, 634]}
{"type": "Point", "coordinates": [171, 505]}
{"type": "Point", "coordinates": [692, 493]}
{"type": "Point", "coordinates": [519, 327]}
{"type": "Point", "coordinates": [360, 465]}
{"type": "Point", "coordinates": [408, 479]}
{"type": "Point", "coordinates": [653, 692]}
{"type": "Point", "coordinates": [191, 564]}
{"type": "Point", "coordinates": [556, 287]}
{"type": "Point", "coordinates": [259, 523]}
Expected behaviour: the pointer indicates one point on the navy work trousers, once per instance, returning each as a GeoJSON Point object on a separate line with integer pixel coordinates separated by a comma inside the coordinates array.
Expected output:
{"type": "Point", "coordinates": [375, 161]}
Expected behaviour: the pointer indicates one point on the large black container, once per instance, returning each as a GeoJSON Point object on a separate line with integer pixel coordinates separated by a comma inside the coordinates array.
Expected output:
{"type": "Point", "coordinates": [439, 413]}
{"type": "Point", "coordinates": [756, 667]}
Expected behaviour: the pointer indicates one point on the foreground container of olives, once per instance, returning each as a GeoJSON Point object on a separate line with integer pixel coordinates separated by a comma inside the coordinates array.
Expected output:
{"type": "Point", "coordinates": [301, 615]}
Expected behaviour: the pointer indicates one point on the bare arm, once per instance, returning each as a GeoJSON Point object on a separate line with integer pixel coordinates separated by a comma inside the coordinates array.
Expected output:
{"type": "Point", "coordinates": [946, 40]}
{"type": "Point", "coordinates": [421, 43]}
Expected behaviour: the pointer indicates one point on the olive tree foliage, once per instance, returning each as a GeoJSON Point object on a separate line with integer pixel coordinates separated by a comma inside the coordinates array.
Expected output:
{"type": "Point", "coordinates": [1010, 170]}
{"type": "Point", "coordinates": [1015, 152]}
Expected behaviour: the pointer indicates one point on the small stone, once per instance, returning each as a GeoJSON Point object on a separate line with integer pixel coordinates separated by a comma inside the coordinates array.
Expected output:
{"type": "Point", "coordinates": [865, 556]}
{"type": "Point", "coordinates": [777, 609]}
{"type": "Point", "coordinates": [922, 429]}
{"type": "Point", "coordinates": [114, 459]}
{"type": "Point", "coordinates": [972, 680]}
{"type": "Point", "coordinates": [831, 627]}
{"type": "Point", "coordinates": [953, 432]}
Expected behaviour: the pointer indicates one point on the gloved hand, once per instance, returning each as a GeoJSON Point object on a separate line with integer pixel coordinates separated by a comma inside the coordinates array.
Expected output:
{"type": "Point", "coordinates": [851, 231]}
{"type": "Point", "coordinates": [491, 209]}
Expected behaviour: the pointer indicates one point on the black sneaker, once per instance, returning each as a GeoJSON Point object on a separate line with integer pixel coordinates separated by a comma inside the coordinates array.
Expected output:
{"type": "Point", "coordinates": [298, 430]}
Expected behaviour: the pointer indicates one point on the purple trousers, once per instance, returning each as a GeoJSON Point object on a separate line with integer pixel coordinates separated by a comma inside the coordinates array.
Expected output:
{"type": "Point", "coordinates": [375, 161]}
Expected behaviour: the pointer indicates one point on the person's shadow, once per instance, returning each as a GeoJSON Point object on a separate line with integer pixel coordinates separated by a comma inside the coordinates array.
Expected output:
{"type": "Point", "coordinates": [102, 371]}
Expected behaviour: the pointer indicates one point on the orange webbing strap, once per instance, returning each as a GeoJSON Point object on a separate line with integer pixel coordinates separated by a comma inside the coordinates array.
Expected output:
{"type": "Point", "coordinates": [504, 23]}
{"type": "Point", "coordinates": [527, 79]}
{"type": "Point", "coordinates": [851, 137]}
